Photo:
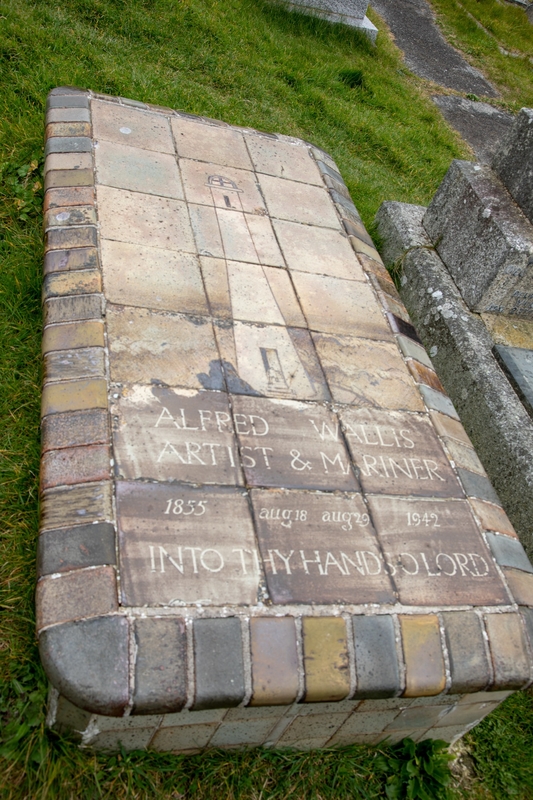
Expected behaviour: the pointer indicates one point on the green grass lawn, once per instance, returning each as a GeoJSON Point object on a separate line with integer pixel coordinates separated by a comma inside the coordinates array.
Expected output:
{"type": "Point", "coordinates": [250, 63]}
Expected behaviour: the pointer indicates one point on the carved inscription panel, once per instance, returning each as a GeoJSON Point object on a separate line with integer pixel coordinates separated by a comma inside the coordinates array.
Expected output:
{"type": "Point", "coordinates": [320, 548]}
{"type": "Point", "coordinates": [250, 447]}
{"type": "Point", "coordinates": [435, 553]}
{"type": "Point", "coordinates": [181, 545]}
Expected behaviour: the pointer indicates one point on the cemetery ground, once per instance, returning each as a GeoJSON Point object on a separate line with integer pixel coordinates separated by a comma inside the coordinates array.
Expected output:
{"type": "Point", "coordinates": [249, 63]}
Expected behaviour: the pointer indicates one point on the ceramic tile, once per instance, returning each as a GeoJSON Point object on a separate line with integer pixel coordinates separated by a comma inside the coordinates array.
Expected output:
{"type": "Point", "coordinates": [363, 372]}
{"type": "Point", "coordinates": [398, 453]}
{"type": "Point", "coordinates": [180, 545]}
{"type": "Point", "coordinates": [130, 126]}
{"type": "Point", "coordinates": [332, 305]}
{"type": "Point", "coordinates": [323, 251]}
{"type": "Point", "coordinates": [137, 170]}
{"type": "Point", "coordinates": [270, 360]}
{"type": "Point", "coordinates": [283, 159]}
{"type": "Point", "coordinates": [148, 346]}
{"type": "Point", "coordinates": [298, 202]}
{"type": "Point", "coordinates": [144, 219]}
{"type": "Point", "coordinates": [226, 188]}
{"type": "Point", "coordinates": [217, 145]}
{"type": "Point", "coordinates": [435, 552]}
{"type": "Point", "coordinates": [170, 435]}
{"type": "Point", "coordinates": [319, 548]}
{"type": "Point", "coordinates": [289, 444]}
{"type": "Point", "coordinates": [152, 278]}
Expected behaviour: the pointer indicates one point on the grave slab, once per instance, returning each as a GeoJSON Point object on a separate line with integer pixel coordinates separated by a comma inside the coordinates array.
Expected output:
{"type": "Point", "coordinates": [256, 498]}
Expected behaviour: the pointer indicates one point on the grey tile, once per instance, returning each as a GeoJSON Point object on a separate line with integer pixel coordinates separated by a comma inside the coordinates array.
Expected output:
{"type": "Point", "coordinates": [438, 401]}
{"type": "Point", "coordinates": [509, 552]}
{"type": "Point", "coordinates": [219, 668]}
{"type": "Point", "coordinates": [160, 665]}
{"type": "Point", "coordinates": [75, 548]}
{"type": "Point", "coordinates": [478, 486]}
{"type": "Point", "coordinates": [470, 671]}
{"type": "Point", "coordinates": [376, 660]}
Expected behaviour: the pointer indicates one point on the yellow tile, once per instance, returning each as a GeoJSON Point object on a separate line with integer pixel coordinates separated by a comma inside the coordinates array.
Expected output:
{"type": "Point", "coordinates": [74, 396]}
{"type": "Point", "coordinates": [424, 663]}
{"type": "Point", "coordinates": [73, 335]}
{"type": "Point", "coordinates": [327, 675]}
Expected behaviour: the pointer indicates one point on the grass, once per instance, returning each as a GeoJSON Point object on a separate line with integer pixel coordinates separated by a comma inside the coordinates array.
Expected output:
{"type": "Point", "coordinates": [495, 37]}
{"type": "Point", "coordinates": [251, 63]}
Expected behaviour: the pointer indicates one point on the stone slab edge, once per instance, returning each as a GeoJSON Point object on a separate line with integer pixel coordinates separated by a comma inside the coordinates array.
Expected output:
{"type": "Point", "coordinates": [101, 658]}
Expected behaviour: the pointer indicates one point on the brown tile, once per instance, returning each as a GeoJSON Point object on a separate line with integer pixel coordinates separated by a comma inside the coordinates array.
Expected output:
{"type": "Point", "coordinates": [148, 346]}
{"type": "Point", "coordinates": [65, 260]}
{"type": "Point", "coordinates": [298, 202]}
{"type": "Point", "coordinates": [435, 552]}
{"type": "Point", "coordinates": [332, 305]}
{"type": "Point", "coordinates": [76, 595]}
{"type": "Point", "coordinates": [68, 196]}
{"type": "Point", "coordinates": [152, 278]}
{"type": "Point", "coordinates": [322, 251]}
{"type": "Point", "coordinates": [447, 426]}
{"type": "Point", "coordinates": [290, 160]}
{"type": "Point", "coordinates": [463, 456]}
{"type": "Point", "coordinates": [372, 266]}
{"type": "Point", "coordinates": [60, 178]}
{"type": "Point", "coordinates": [74, 428]}
{"type": "Point", "coordinates": [85, 281]}
{"type": "Point", "coordinates": [422, 649]}
{"type": "Point", "coordinates": [64, 238]}
{"type": "Point", "coordinates": [319, 548]}
{"type": "Point", "coordinates": [270, 360]}
{"type": "Point", "coordinates": [366, 372]}
{"type": "Point", "coordinates": [520, 584]}
{"type": "Point", "coordinates": [66, 309]}
{"type": "Point", "coordinates": [398, 453]}
{"type": "Point", "coordinates": [87, 362]}
{"type": "Point", "coordinates": [384, 283]}
{"type": "Point", "coordinates": [226, 188]}
{"type": "Point", "coordinates": [72, 465]}
{"type": "Point", "coordinates": [138, 170]}
{"type": "Point", "coordinates": [393, 305]}
{"type": "Point", "coordinates": [165, 434]}
{"type": "Point", "coordinates": [68, 161]}
{"type": "Point", "coordinates": [144, 219]}
{"type": "Point", "coordinates": [222, 146]}
{"type": "Point", "coordinates": [67, 129]}
{"type": "Point", "coordinates": [73, 396]}
{"type": "Point", "coordinates": [74, 505]}
{"type": "Point", "coordinates": [274, 661]}
{"type": "Point", "coordinates": [422, 374]}
{"type": "Point", "coordinates": [289, 444]}
{"type": "Point", "coordinates": [73, 335]}
{"type": "Point", "coordinates": [327, 675]}
{"type": "Point", "coordinates": [131, 126]}
{"type": "Point", "coordinates": [510, 657]}
{"type": "Point", "coordinates": [492, 517]}
{"type": "Point", "coordinates": [162, 560]}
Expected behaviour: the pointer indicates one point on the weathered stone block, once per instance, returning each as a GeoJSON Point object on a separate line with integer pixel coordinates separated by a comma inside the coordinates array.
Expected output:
{"type": "Point", "coordinates": [484, 240]}
{"type": "Point", "coordinates": [513, 162]}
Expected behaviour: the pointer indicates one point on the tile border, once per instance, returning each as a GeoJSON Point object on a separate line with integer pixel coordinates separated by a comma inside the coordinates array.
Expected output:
{"type": "Point", "coordinates": [92, 651]}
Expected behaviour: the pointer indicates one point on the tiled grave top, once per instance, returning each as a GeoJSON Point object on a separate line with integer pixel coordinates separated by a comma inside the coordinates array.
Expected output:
{"type": "Point", "coordinates": [254, 489]}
